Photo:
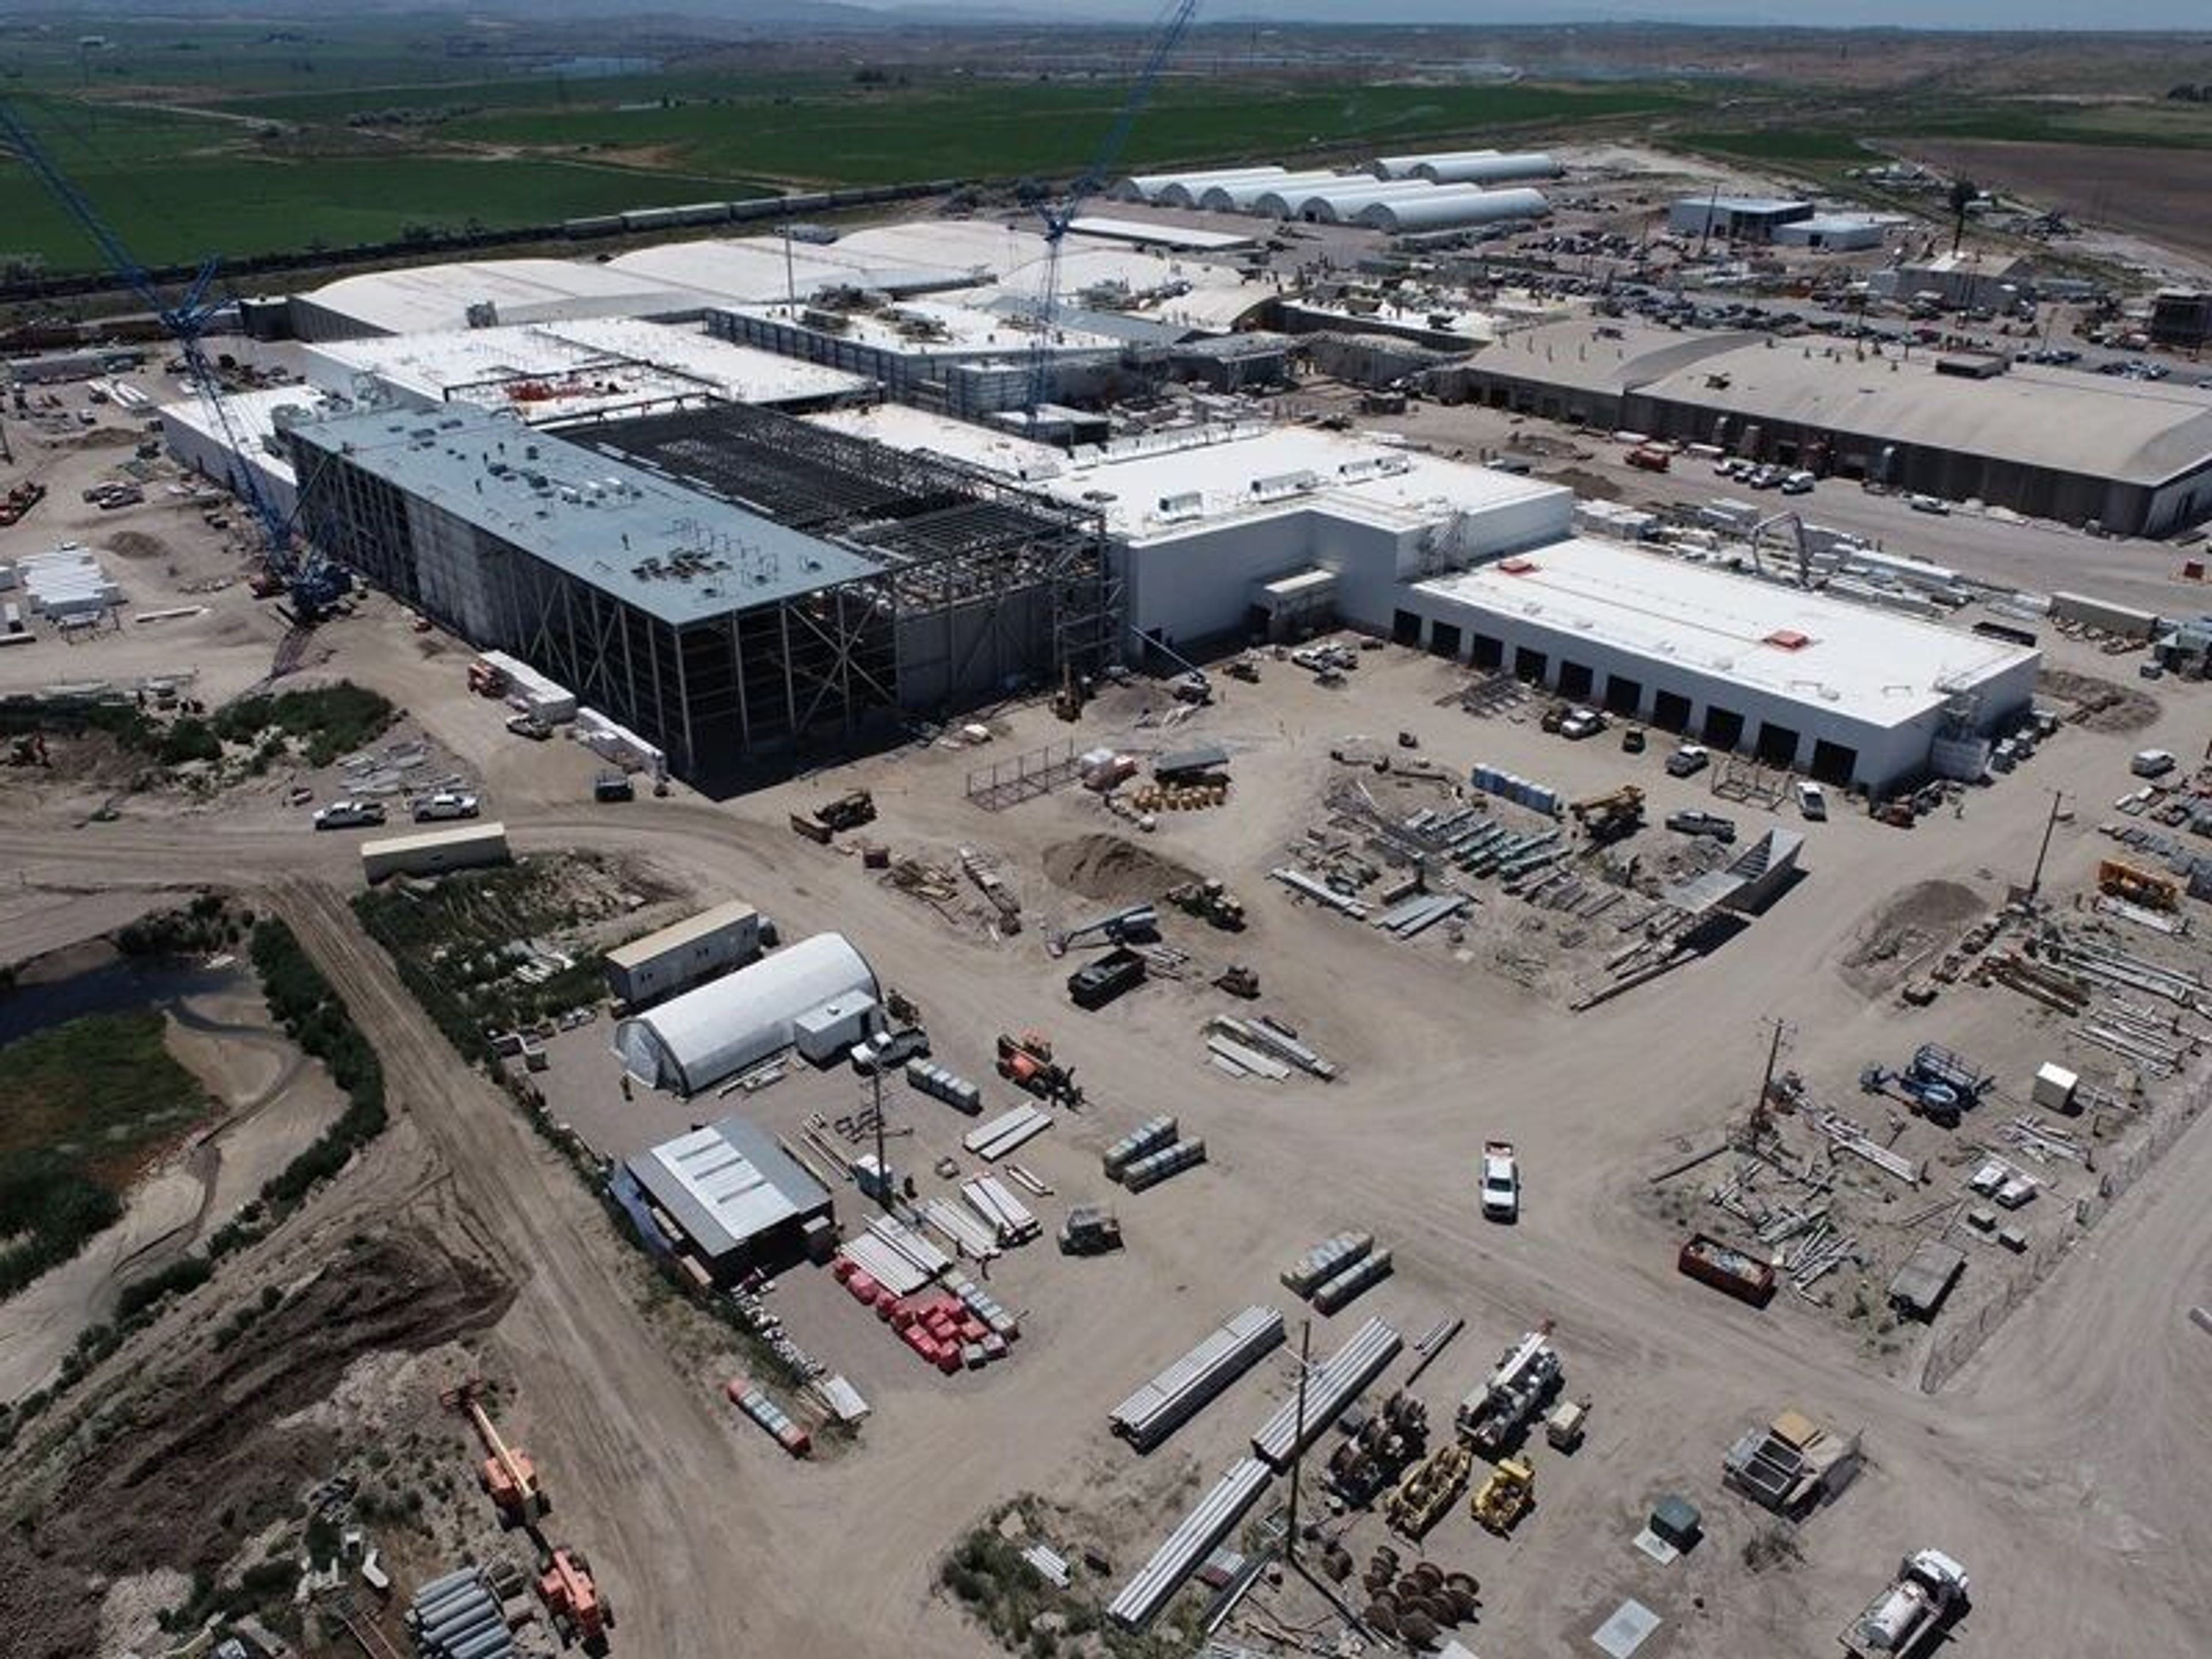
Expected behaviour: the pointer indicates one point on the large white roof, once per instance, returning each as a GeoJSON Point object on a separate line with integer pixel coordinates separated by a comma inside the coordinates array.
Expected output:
{"type": "Point", "coordinates": [695, 1041]}
{"type": "Point", "coordinates": [1873, 665]}
{"type": "Point", "coordinates": [574, 367]}
{"type": "Point", "coordinates": [253, 416]}
{"type": "Point", "coordinates": [421, 298]}
{"type": "Point", "coordinates": [726, 1183]}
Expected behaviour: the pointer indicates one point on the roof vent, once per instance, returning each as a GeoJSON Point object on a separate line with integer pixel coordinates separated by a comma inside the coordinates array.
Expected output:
{"type": "Point", "coordinates": [1516, 567]}
{"type": "Point", "coordinates": [1788, 639]}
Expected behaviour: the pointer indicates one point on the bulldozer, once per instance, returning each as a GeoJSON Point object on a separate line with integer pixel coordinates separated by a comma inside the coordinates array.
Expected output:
{"type": "Point", "coordinates": [1505, 1496]}
{"type": "Point", "coordinates": [1026, 1062]}
{"type": "Point", "coordinates": [847, 812]}
{"type": "Point", "coordinates": [1209, 901]}
{"type": "Point", "coordinates": [1428, 1490]}
{"type": "Point", "coordinates": [1611, 817]}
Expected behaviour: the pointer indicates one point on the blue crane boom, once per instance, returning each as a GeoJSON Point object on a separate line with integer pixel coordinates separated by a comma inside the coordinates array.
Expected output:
{"type": "Point", "coordinates": [1176, 22]}
{"type": "Point", "coordinates": [186, 319]}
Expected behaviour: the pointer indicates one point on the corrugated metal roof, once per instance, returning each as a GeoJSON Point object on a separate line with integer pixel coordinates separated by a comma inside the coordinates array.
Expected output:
{"type": "Point", "coordinates": [726, 1183]}
{"type": "Point", "coordinates": [675, 936]}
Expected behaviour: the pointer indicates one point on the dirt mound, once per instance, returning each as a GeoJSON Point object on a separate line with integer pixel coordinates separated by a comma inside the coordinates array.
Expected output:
{"type": "Point", "coordinates": [203, 1464]}
{"type": "Point", "coordinates": [2099, 705]}
{"type": "Point", "coordinates": [98, 437]}
{"type": "Point", "coordinates": [1108, 867]}
{"type": "Point", "coordinates": [137, 545]}
{"type": "Point", "coordinates": [1916, 922]}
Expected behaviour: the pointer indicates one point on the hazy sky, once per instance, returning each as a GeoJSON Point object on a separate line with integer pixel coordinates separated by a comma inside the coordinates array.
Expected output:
{"type": "Point", "coordinates": [2194, 15]}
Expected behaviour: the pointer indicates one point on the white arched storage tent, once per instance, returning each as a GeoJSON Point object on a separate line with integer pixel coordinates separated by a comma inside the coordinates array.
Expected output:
{"type": "Point", "coordinates": [1184, 191]}
{"type": "Point", "coordinates": [1453, 208]}
{"type": "Point", "coordinates": [1489, 169]}
{"type": "Point", "coordinates": [1342, 206]}
{"type": "Point", "coordinates": [694, 1040]}
{"type": "Point", "coordinates": [1244, 195]}
{"type": "Point", "coordinates": [1405, 167]}
{"type": "Point", "coordinates": [1147, 187]}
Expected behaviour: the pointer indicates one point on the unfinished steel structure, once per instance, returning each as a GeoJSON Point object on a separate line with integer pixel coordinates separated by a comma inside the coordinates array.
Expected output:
{"type": "Point", "coordinates": [730, 582]}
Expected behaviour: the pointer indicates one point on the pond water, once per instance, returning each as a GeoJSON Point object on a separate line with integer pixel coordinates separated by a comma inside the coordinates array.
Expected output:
{"type": "Point", "coordinates": [116, 988]}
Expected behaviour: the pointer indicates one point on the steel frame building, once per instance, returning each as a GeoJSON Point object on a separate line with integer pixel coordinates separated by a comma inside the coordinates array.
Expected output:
{"type": "Point", "coordinates": [734, 584]}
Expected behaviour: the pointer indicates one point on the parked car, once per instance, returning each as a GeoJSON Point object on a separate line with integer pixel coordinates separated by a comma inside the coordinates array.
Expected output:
{"type": "Point", "coordinates": [349, 815]}
{"type": "Point", "coordinates": [445, 803]}
{"type": "Point", "coordinates": [1582, 723]}
{"type": "Point", "coordinates": [2151, 763]}
{"type": "Point", "coordinates": [1798, 484]}
{"type": "Point", "coordinates": [1691, 822]}
{"type": "Point", "coordinates": [1813, 801]}
{"type": "Point", "coordinates": [1933, 504]}
{"type": "Point", "coordinates": [1688, 761]}
{"type": "Point", "coordinates": [613, 786]}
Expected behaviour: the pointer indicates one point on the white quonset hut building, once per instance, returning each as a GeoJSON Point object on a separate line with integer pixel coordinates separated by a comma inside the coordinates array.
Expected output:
{"type": "Point", "coordinates": [1454, 207]}
{"type": "Point", "coordinates": [1468, 166]}
{"type": "Point", "coordinates": [1846, 693]}
{"type": "Point", "coordinates": [728, 1023]}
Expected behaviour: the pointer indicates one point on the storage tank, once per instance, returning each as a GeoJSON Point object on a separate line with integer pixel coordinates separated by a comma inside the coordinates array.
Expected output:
{"type": "Point", "coordinates": [1454, 208]}
{"type": "Point", "coordinates": [1492, 169]}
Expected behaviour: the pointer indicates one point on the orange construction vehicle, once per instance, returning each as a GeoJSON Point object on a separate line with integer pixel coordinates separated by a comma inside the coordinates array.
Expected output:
{"type": "Point", "coordinates": [506, 1474]}
{"type": "Point", "coordinates": [1026, 1062]}
{"type": "Point", "coordinates": [579, 1612]}
{"type": "Point", "coordinates": [487, 679]}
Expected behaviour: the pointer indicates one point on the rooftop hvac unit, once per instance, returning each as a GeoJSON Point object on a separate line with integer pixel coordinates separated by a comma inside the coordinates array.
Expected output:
{"type": "Point", "coordinates": [1176, 509]}
{"type": "Point", "coordinates": [1281, 484]}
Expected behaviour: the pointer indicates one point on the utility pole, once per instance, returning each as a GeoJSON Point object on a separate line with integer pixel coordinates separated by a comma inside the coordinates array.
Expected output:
{"type": "Point", "coordinates": [2035, 881]}
{"type": "Point", "coordinates": [1756, 1131]}
{"type": "Point", "coordinates": [1298, 1441]}
{"type": "Point", "coordinates": [883, 1165]}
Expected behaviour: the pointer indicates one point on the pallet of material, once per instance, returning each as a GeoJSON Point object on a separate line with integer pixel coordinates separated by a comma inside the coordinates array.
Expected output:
{"type": "Point", "coordinates": [1325, 1260]}
{"type": "Point", "coordinates": [1149, 1136]}
{"type": "Point", "coordinates": [1332, 1386]}
{"type": "Point", "coordinates": [885, 1266]}
{"type": "Point", "coordinates": [980, 1302]}
{"type": "Point", "coordinates": [1002, 1135]}
{"type": "Point", "coordinates": [1171, 1399]}
{"type": "Point", "coordinates": [1240, 1059]}
{"type": "Point", "coordinates": [1151, 1171]}
{"type": "Point", "coordinates": [1339, 1291]}
{"type": "Point", "coordinates": [973, 1239]}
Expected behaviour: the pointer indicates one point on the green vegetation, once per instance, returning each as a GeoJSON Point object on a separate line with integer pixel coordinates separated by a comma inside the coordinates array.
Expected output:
{"type": "Point", "coordinates": [466, 949]}
{"type": "Point", "coordinates": [81, 1108]}
{"type": "Point", "coordinates": [314, 1016]}
{"type": "Point", "coordinates": [986, 1575]}
{"type": "Point", "coordinates": [207, 925]}
{"type": "Point", "coordinates": [328, 722]}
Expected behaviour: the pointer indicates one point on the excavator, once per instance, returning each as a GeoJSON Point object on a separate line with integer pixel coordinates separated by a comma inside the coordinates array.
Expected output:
{"type": "Point", "coordinates": [507, 1473]}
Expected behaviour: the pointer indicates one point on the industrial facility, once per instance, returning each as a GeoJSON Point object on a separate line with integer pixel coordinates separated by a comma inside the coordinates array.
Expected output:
{"type": "Point", "coordinates": [1402, 195]}
{"type": "Point", "coordinates": [723, 582]}
{"type": "Point", "coordinates": [732, 1022]}
{"type": "Point", "coordinates": [2133, 456]}
{"type": "Point", "coordinates": [732, 1197]}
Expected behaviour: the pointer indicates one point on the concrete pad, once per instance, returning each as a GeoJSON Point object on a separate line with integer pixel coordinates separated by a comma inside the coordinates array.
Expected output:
{"type": "Point", "coordinates": [1627, 1631]}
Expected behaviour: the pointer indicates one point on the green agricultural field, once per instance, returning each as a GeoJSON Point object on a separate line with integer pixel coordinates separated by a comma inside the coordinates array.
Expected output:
{"type": "Point", "coordinates": [82, 1107]}
{"type": "Point", "coordinates": [962, 129]}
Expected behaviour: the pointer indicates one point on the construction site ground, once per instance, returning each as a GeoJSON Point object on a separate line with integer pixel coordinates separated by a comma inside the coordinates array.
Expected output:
{"type": "Point", "coordinates": [709, 1539]}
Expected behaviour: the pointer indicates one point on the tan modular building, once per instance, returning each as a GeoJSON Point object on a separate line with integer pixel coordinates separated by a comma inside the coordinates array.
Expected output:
{"type": "Point", "coordinates": [435, 851]}
{"type": "Point", "coordinates": [691, 952]}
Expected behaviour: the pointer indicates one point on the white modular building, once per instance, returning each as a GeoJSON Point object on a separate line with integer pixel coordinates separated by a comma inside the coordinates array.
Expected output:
{"type": "Point", "coordinates": [1454, 207]}
{"type": "Point", "coordinates": [679, 956]}
{"type": "Point", "coordinates": [695, 1041]}
{"type": "Point", "coordinates": [1846, 693]}
{"type": "Point", "coordinates": [467, 847]}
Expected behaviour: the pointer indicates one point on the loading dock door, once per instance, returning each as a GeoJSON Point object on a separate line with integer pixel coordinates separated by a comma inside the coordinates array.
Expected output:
{"type": "Point", "coordinates": [1670, 712]}
{"type": "Point", "coordinates": [1528, 665]}
{"type": "Point", "coordinates": [1405, 628]}
{"type": "Point", "coordinates": [1777, 745]}
{"type": "Point", "coordinates": [1834, 763]}
{"type": "Point", "coordinates": [1443, 640]}
{"type": "Point", "coordinates": [1488, 651]}
{"type": "Point", "coordinates": [1622, 695]}
{"type": "Point", "coordinates": [1575, 680]}
{"type": "Point", "coordinates": [1724, 728]}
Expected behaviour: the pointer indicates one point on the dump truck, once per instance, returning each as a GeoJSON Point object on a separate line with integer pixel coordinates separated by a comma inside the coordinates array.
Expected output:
{"type": "Point", "coordinates": [1910, 1618]}
{"type": "Point", "coordinates": [1497, 1414]}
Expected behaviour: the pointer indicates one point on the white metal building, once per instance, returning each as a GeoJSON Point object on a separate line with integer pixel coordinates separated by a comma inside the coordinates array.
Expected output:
{"type": "Point", "coordinates": [1490, 169]}
{"type": "Point", "coordinates": [1452, 207]}
{"type": "Point", "coordinates": [477, 293]}
{"type": "Point", "coordinates": [735, 1197]}
{"type": "Point", "coordinates": [728, 1023]}
{"type": "Point", "coordinates": [678, 957]}
{"type": "Point", "coordinates": [1837, 233]}
{"type": "Point", "coordinates": [1847, 692]}
{"type": "Point", "coordinates": [1247, 195]}
{"type": "Point", "coordinates": [194, 439]}
{"type": "Point", "coordinates": [1150, 186]}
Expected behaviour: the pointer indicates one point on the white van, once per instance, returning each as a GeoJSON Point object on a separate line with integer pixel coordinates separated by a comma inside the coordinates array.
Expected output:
{"type": "Point", "coordinates": [1812, 801]}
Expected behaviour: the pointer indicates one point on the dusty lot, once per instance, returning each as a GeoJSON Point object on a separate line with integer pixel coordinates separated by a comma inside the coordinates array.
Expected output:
{"type": "Point", "coordinates": [2157, 194]}
{"type": "Point", "coordinates": [697, 1523]}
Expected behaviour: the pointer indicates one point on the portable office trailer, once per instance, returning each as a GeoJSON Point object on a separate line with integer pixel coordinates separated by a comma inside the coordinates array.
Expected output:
{"type": "Point", "coordinates": [469, 847]}
{"type": "Point", "coordinates": [688, 953]}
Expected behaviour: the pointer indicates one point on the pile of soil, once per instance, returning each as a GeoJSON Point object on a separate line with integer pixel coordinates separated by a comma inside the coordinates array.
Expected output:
{"type": "Point", "coordinates": [137, 545]}
{"type": "Point", "coordinates": [2099, 705]}
{"type": "Point", "coordinates": [1109, 868]}
{"type": "Point", "coordinates": [1905, 928]}
{"type": "Point", "coordinates": [201, 1466]}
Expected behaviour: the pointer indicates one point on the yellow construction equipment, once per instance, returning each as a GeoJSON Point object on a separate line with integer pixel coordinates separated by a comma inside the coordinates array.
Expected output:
{"type": "Point", "coordinates": [2124, 881]}
{"type": "Point", "coordinates": [507, 1473]}
{"type": "Point", "coordinates": [1428, 1489]}
{"type": "Point", "coordinates": [1505, 1496]}
{"type": "Point", "coordinates": [1610, 817]}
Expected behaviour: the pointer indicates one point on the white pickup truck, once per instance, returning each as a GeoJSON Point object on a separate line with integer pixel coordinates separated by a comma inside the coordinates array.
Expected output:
{"type": "Point", "coordinates": [445, 803]}
{"type": "Point", "coordinates": [1501, 1181]}
{"type": "Point", "coordinates": [349, 815]}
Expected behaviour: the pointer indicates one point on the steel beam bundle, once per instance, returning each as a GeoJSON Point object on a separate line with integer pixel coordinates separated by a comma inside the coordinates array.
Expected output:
{"type": "Point", "coordinates": [1162, 1406]}
{"type": "Point", "coordinates": [1156, 1167]}
{"type": "Point", "coordinates": [1149, 1136]}
{"type": "Point", "coordinates": [1002, 1135]}
{"type": "Point", "coordinates": [1199, 1534]}
{"type": "Point", "coordinates": [1006, 1215]}
{"type": "Point", "coordinates": [1333, 1385]}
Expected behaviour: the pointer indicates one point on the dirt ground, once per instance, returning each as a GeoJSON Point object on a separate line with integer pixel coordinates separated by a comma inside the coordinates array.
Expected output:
{"type": "Point", "coordinates": [2156, 194]}
{"type": "Point", "coordinates": [710, 1541]}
